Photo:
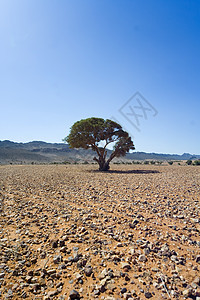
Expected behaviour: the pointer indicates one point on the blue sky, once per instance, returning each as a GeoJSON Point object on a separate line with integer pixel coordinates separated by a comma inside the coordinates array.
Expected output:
{"type": "Point", "coordinates": [62, 61]}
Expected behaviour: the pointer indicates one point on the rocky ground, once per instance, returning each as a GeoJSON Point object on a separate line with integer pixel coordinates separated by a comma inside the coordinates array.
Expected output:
{"type": "Point", "coordinates": [70, 232]}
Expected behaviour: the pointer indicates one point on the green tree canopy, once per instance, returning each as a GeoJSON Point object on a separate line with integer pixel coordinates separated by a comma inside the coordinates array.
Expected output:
{"type": "Point", "coordinates": [97, 134]}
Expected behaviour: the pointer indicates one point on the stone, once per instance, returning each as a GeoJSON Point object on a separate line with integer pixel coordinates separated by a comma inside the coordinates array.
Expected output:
{"type": "Point", "coordinates": [123, 290]}
{"type": "Point", "coordinates": [51, 294]}
{"type": "Point", "coordinates": [88, 271]}
{"type": "Point", "coordinates": [74, 295]}
{"type": "Point", "coordinates": [9, 294]}
{"type": "Point", "coordinates": [51, 271]}
{"type": "Point", "coordinates": [54, 244]}
{"type": "Point", "coordinates": [197, 280]}
{"type": "Point", "coordinates": [28, 279]}
{"type": "Point", "coordinates": [2, 275]}
{"type": "Point", "coordinates": [198, 259]}
{"type": "Point", "coordinates": [62, 243]}
{"type": "Point", "coordinates": [57, 259]}
{"type": "Point", "coordinates": [125, 265]}
{"type": "Point", "coordinates": [142, 258]}
{"type": "Point", "coordinates": [187, 292]}
{"type": "Point", "coordinates": [148, 295]}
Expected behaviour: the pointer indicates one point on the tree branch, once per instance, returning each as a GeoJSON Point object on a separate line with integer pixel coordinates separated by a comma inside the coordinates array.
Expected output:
{"type": "Point", "coordinates": [96, 149]}
{"type": "Point", "coordinates": [105, 153]}
{"type": "Point", "coordinates": [110, 142]}
{"type": "Point", "coordinates": [113, 154]}
{"type": "Point", "coordinates": [94, 158]}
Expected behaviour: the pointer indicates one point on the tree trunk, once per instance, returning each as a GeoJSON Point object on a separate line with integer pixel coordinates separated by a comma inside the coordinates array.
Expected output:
{"type": "Point", "coordinates": [103, 164]}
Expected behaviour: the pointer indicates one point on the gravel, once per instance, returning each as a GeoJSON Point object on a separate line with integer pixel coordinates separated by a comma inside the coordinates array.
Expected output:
{"type": "Point", "coordinates": [69, 232]}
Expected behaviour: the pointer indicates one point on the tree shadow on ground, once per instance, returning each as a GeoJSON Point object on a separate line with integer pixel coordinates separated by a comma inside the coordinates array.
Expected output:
{"type": "Point", "coordinates": [127, 171]}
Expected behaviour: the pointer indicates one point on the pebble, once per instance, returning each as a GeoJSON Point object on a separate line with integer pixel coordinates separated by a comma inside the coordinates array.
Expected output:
{"type": "Point", "coordinates": [123, 290]}
{"type": "Point", "coordinates": [57, 259]}
{"type": "Point", "coordinates": [187, 293]}
{"type": "Point", "coordinates": [52, 294]}
{"type": "Point", "coordinates": [2, 275]}
{"type": "Point", "coordinates": [148, 295]}
{"type": "Point", "coordinates": [142, 258]}
{"type": "Point", "coordinates": [88, 271]}
{"type": "Point", "coordinates": [125, 265]}
{"type": "Point", "coordinates": [198, 259]}
{"type": "Point", "coordinates": [74, 294]}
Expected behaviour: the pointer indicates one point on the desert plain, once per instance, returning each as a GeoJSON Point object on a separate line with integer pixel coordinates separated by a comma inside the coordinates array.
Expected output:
{"type": "Point", "coordinates": [71, 232]}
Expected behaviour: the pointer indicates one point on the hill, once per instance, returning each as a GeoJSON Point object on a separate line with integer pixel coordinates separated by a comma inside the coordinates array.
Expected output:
{"type": "Point", "coordinates": [42, 152]}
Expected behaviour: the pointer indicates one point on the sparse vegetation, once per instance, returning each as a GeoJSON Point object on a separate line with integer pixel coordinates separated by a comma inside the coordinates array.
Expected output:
{"type": "Point", "coordinates": [66, 162]}
{"type": "Point", "coordinates": [46, 153]}
{"type": "Point", "coordinates": [189, 162]}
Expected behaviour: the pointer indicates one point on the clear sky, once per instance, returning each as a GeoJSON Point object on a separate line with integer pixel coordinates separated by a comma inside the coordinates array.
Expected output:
{"type": "Point", "coordinates": [62, 61]}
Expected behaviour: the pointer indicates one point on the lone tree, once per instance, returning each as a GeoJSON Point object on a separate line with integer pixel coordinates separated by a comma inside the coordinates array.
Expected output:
{"type": "Point", "coordinates": [97, 134]}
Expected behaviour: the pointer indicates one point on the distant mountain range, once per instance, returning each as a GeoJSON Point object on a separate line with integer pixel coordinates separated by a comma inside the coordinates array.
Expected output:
{"type": "Point", "coordinates": [42, 152]}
